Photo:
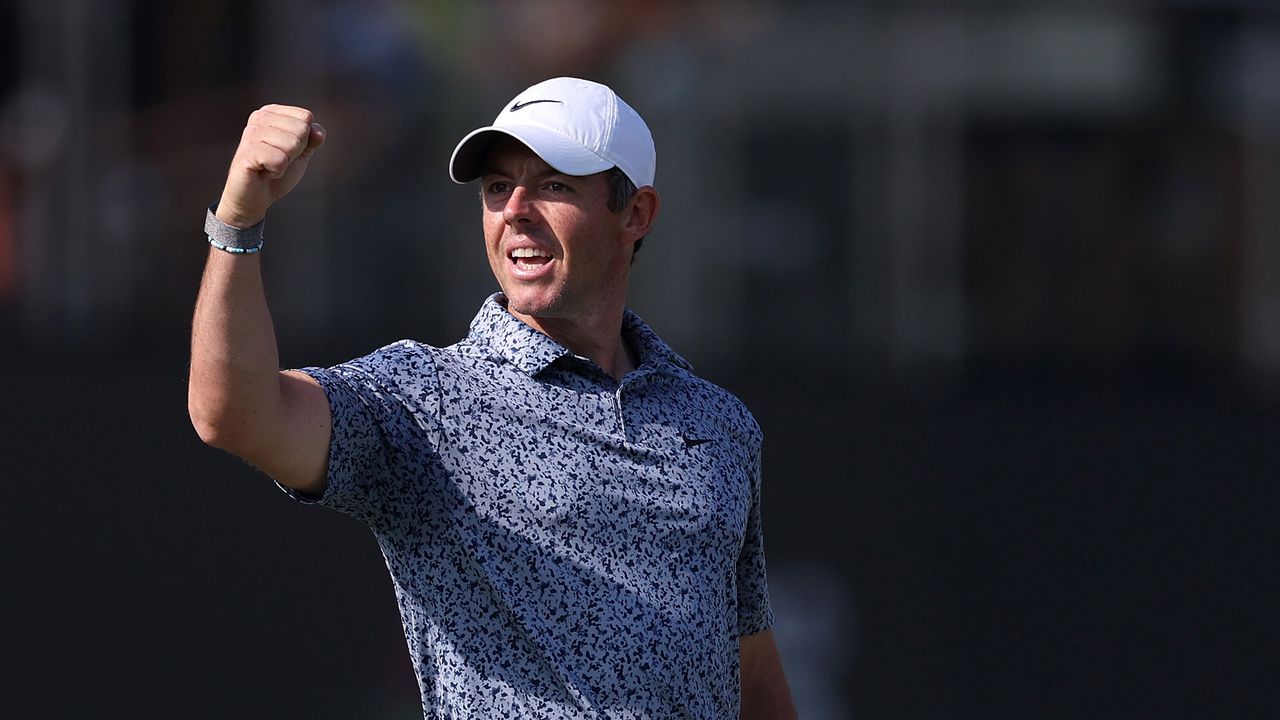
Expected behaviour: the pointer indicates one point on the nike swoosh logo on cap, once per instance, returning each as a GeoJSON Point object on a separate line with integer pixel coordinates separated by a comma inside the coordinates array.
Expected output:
{"type": "Point", "coordinates": [519, 105]}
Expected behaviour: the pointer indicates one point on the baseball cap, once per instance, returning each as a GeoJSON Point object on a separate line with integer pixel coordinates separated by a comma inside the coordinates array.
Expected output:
{"type": "Point", "coordinates": [576, 126]}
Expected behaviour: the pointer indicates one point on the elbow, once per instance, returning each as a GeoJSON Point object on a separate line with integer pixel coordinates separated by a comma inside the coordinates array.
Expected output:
{"type": "Point", "coordinates": [213, 421]}
{"type": "Point", "coordinates": [208, 428]}
{"type": "Point", "coordinates": [229, 420]}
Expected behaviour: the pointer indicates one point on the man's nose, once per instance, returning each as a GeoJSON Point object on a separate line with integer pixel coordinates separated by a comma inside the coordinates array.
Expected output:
{"type": "Point", "coordinates": [519, 207]}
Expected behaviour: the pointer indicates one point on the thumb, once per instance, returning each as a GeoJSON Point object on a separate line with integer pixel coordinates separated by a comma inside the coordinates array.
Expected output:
{"type": "Point", "coordinates": [315, 139]}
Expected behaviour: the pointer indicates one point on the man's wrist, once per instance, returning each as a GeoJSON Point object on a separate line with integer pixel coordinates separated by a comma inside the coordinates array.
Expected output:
{"type": "Point", "coordinates": [230, 238]}
{"type": "Point", "coordinates": [227, 213]}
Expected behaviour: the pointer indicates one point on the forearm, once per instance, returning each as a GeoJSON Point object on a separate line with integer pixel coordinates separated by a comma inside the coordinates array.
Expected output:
{"type": "Point", "coordinates": [767, 702]}
{"type": "Point", "coordinates": [234, 383]}
{"type": "Point", "coordinates": [765, 694]}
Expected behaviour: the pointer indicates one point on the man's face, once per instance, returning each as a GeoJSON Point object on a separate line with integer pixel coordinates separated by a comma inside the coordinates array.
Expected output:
{"type": "Point", "coordinates": [553, 244]}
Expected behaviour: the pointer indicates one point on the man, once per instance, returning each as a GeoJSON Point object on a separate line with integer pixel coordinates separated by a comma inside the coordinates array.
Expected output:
{"type": "Point", "coordinates": [571, 518]}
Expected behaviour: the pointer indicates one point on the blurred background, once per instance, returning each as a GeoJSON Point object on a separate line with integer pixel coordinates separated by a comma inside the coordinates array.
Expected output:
{"type": "Point", "coordinates": [1000, 281]}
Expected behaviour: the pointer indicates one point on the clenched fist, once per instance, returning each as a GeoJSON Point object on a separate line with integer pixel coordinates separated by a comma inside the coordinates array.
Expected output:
{"type": "Point", "coordinates": [269, 162]}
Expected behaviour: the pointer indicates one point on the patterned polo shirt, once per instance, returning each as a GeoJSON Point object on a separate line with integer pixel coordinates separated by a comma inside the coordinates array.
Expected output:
{"type": "Point", "coordinates": [562, 545]}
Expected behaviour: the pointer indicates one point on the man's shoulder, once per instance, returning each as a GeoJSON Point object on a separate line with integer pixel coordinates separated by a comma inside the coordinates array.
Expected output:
{"type": "Point", "coordinates": [713, 401]}
{"type": "Point", "coordinates": [414, 362]}
{"type": "Point", "coordinates": [394, 368]}
{"type": "Point", "coordinates": [687, 390]}
{"type": "Point", "coordinates": [392, 358]}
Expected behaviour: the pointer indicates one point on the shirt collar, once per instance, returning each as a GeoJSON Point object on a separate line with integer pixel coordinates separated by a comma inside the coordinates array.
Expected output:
{"type": "Point", "coordinates": [652, 352]}
{"type": "Point", "coordinates": [511, 339]}
{"type": "Point", "coordinates": [532, 352]}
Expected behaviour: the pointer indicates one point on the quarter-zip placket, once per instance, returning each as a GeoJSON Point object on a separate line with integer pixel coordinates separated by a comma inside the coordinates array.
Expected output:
{"type": "Point", "coordinates": [617, 408]}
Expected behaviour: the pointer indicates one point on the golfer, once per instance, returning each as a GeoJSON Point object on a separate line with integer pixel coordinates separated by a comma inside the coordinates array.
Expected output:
{"type": "Point", "coordinates": [570, 516]}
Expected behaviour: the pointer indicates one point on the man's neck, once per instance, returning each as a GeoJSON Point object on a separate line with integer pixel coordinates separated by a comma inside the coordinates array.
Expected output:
{"type": "Point", "coordinates": [599, 339]}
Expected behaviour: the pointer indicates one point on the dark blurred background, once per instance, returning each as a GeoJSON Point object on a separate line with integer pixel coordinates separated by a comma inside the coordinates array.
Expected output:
{"type": "Point", "coordinates": [1000, 280]}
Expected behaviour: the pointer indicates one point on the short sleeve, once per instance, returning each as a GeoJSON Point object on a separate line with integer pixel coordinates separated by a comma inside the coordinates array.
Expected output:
{"type": "Point", "coordinates": [754, 611]}
{"type": "Point", "coordinates": [370, 416]}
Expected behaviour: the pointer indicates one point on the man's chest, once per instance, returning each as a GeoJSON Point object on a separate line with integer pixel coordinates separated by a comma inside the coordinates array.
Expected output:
{"type": "Point", "coordinates": [632, 463]}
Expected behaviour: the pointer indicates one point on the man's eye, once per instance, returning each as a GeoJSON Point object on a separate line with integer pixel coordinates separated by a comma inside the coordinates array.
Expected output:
{"type": "Point", "coordinates": [497, 188]}
{"type": "Point", "coordinates": [557, 187]}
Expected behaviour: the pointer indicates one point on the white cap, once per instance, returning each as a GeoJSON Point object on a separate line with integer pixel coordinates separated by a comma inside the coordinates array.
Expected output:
{"type": "Point", "coordinates": [576, 126]}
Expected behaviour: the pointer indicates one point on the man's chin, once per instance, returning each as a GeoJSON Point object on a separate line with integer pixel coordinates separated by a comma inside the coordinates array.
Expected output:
{"type": "Point", "coordinates": [531, 306]}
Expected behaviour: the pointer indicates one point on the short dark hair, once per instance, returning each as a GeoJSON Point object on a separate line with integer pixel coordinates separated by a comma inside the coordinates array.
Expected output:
{"type": "Point", "coordinates": [621, 190]}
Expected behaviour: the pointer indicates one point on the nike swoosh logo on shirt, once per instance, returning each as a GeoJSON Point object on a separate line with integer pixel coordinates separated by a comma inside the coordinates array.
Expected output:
{"type": "Point", "coordinates": [520, 106]}
{"type": "Point", "coordinates": [694, 442]}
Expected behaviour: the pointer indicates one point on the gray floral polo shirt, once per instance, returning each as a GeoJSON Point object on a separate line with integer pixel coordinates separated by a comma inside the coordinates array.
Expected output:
{"type": "Point", "coordinates": [562, 545]}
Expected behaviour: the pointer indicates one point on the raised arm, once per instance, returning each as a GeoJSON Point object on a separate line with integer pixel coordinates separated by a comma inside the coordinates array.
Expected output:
{"type": "Point", "coordinates": [237, 397]}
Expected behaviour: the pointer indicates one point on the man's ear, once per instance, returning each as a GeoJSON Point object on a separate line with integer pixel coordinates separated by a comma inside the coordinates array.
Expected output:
{"type": "Point", "coordinates": [640, 213]}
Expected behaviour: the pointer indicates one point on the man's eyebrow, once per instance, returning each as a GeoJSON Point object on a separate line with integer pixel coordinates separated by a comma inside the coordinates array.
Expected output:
{"type": "Point", "coordinates": [548, 172]}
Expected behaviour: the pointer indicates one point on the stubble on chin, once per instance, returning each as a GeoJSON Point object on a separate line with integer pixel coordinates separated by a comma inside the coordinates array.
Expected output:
{"type": "Point", "coordinates": [537, 305]}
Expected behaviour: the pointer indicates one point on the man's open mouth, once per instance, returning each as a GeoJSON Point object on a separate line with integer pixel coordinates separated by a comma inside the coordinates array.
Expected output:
{"type": "Point", "coordinates": [529, 258]}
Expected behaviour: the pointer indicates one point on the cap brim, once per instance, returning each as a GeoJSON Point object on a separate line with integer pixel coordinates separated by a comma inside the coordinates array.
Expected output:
{"type": "Point", "coordinates": [556, 150]}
